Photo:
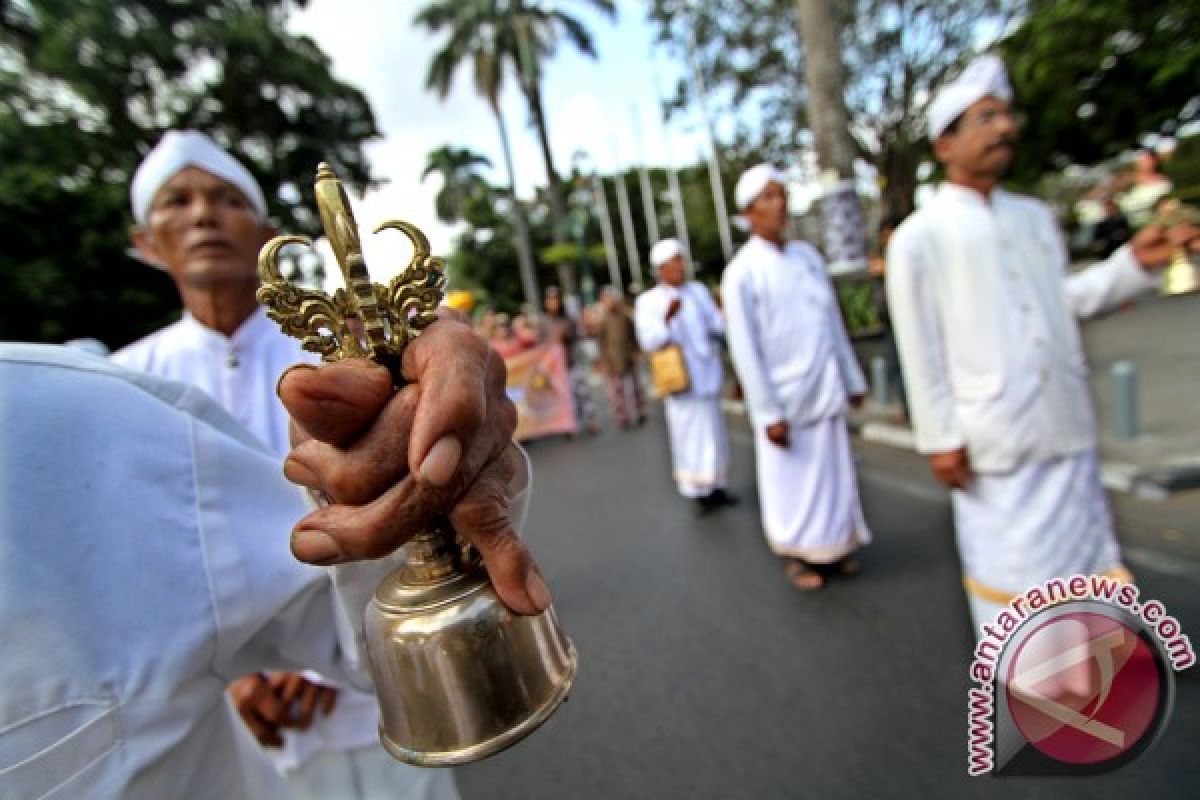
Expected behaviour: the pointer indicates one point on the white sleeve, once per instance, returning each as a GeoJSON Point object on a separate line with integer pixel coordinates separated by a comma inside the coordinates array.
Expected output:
{"type": "Point", "coordinates": [745, 345]}
{"type": "Point", "coordinates": [653, 332]}
{"type": "Point", "coordinates": [1107, 284]}
{"type": "Point", "coordinates": [916, 323]}
{"type": "Point", "coordinates": [853, 380]}
{"type": "Point", "coordinates": [714, 319]}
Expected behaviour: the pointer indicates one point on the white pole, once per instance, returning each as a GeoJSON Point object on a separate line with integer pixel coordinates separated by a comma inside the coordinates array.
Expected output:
{"type": "Point", "coordinates": [606, 230]}
{"type": "Point", "coordinates": [631, 245]}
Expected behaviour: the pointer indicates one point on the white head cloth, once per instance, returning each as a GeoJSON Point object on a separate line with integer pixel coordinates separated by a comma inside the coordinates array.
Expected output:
{"type": "Point", "coordinates": [664, 251]}
{"type": "Point", "coordinates": [179, 149]}
{"type": "Point", "coordinates": [752, 183]}
{"type": "Point", "coordinates": [983, 77]}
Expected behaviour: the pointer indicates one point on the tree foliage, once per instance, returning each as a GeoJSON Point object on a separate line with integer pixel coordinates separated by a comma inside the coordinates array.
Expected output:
{"type": "Point", "coordinates": [86, 89]}
{"type": "Point", "coordinates": [1092, 78]}
{"type": "Point", "coordinates": [752, 56]}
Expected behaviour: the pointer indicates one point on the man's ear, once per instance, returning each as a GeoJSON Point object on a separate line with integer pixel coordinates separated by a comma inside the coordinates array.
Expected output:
{"type": "Point", "coordinates": [943, 146]}
{"type": "Point", "coordinates": [143, 242]}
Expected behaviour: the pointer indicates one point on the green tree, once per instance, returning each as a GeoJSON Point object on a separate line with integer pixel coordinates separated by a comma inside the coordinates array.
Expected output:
{"type": "Point", "coordinates": [460, 181]}
{"type": "Point", "coordinates": [88, 87]}
{"type": "Point", "coordinates": [1092, 78]}
{"type": "Point", "coordinates": [519, 35]}
{"type": "Point", "coordinates": [752, 57]}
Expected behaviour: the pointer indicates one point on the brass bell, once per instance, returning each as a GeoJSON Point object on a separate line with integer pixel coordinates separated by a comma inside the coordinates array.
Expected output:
{"type": "Point", "coordinates": [1181, 276]}
{"type": "Point", "coordinates": [458, 676]}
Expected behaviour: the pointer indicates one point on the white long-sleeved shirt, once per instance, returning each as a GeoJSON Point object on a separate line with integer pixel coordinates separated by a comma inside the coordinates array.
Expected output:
{"type": "Point", "coordinates": [984, 314]}
{"type": "Point", "coordinates": [695, 329]}
{"type": "Point", "coordinates": [789, 345]}
{"type": "Point", "coordinates": [240, 372]}
{"type": "Point", "coordinates": [144, 564]}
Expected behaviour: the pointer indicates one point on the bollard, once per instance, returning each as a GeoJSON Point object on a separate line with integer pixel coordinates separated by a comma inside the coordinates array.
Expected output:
{"type": "Point", "coordinates": [1124, 397]}
{"type": "Point", "coordinates": [879, 381]}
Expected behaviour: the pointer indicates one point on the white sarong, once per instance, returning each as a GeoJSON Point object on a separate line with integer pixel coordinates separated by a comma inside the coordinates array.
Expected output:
{"type": "Point", "coordinates": [809, 493]}
{"type": "Point", "coordinates": [1018, 529]}
{"type": "Point", "coordinates": [699, 446]}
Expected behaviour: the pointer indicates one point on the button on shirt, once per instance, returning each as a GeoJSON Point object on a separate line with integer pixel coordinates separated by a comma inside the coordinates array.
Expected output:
{"type": "Point", "coordinates": [984, 314]}
{"type": "Point", "coordinates": [239, 371]}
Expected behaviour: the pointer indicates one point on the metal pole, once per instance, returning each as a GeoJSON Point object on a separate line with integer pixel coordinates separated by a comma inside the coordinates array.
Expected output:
{"type": "Point", "coordinates": [606, 230]}
{"type": "Point", "coordinates": [631, 245]}
{"type": "Point", "coordinates": [879, 381]}
{"type": "Point", "coordinates": [648, 207]}
{"type": "Point", "coordinates": [714, 166]}
{"type": "Point", "coordinates": [680, 221]}
{"type": "Point", "coordinates": [1124, 399]}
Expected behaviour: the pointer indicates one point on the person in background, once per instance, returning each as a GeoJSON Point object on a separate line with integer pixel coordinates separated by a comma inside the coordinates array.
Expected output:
{"type": "Point", "coordinates": [619, 357]}
{"type": "Point", "coordinates": [200, 215]}
{"type": "Point", "coordinates": [1149, 186]}
{"type": "Point", "coordinates": [799, 376]}
{"type": "Point", "coordinates": [985, 316]}
{"type": "Point", "coordinates": [557, 327]}
{"type": "Point", "coordinates": [1110, 232]}
{"type": "Point", "coordinates": [681, 312]}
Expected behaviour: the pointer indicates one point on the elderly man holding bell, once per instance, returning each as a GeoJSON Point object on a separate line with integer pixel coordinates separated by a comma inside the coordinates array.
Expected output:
{"type": "Point", "coordinates": [200, 215]}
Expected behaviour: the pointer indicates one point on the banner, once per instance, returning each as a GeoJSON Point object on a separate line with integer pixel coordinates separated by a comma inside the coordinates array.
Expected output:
{"type": "Point", "coordinates": [540, 387]}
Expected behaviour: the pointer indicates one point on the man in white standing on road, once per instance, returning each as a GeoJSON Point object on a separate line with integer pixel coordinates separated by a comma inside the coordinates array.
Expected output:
{"type": "Point", "coordinates": [682, 312]}
{"type": "Point", "coordinates": [984, 312]}
{"type": "Point", "coordinates": [798, 372]}
{"type": "Point", "coordinates": [201, 215]}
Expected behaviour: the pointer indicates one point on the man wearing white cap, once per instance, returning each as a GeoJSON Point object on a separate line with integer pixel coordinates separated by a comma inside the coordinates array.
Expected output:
{"type": "Point", "coordinates": [201, 216]}
{"type": "Point", "coordinates": [985, 313]}
{"type": "Point", "coordinates": [798, 372]}
{"type": "Point", "coordinates": [681, 312]}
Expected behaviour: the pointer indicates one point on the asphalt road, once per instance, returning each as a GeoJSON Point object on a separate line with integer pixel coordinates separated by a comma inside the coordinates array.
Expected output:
{"type": "Point", "coordinates": [705, 675]}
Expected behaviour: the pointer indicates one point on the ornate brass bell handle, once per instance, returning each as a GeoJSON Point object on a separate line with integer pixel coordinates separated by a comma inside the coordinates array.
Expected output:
{"type": "Point", "coordinates": [364, 319]}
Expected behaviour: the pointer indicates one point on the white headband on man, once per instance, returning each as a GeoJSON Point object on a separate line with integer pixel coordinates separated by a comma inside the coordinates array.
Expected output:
{"type": "Point", "coordinates": [983, 77]}
{"type": "Point", "coordinates": [752, 183]}
{"type": "Point", "coordinates": [179, 149]}
{"type": "Point", "coordinates": [664, 251]}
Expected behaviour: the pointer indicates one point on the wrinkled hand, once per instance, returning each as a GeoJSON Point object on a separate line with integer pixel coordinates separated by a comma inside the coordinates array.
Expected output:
{"type": "Point", "coordinates": [674, 307]}
{"type": "Point", "coordinates": [952, 468]}
{"type": "Point", "coordinates": [393, 461]}
{"type": "Point", "coordinates": [778, 432]}
{"type": "Point", "coordinates": [302, 698]}
{"type": "Point", "coordinates": [259, 707]}
{"type": "Point", "coordinates": [1155, 245]}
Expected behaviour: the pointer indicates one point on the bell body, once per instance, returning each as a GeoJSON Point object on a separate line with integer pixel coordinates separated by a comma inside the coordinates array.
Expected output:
{"type": "Point", "coordinates": [1181, 276]}
{"type": "Point", "coordinates": [459, 676]}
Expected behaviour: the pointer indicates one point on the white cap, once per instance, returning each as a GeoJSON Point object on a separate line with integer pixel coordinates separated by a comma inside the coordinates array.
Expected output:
{"type": "Point", "coordinates": [179, 149]}
{"type": "Point", "coordinates": [664, 251]}
{"type": "Point", "coordinates": [752, 183]}
{"type": "Point", "coordinates": [983, 77]}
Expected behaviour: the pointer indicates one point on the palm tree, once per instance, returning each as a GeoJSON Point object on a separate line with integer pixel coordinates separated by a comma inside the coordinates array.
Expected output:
{"type": "Point", "coordinates": [460, 181]}
{"type": "Point", "coordinates": [478, 37]}
{"type": "Point", "coordinates": [525, 33]}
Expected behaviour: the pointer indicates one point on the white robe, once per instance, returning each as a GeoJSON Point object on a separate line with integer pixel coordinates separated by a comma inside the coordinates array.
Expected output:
{"type": "Point", "coordinates": [699, 444]}
{"type": "Point", "coordinates": [796, 365]}
{"type": "Point", "coordinates": [984, 313]}
{"type": "Point", "coordinates": [124, 619]}
{"type": "Point", "coordinates": [241, 372]}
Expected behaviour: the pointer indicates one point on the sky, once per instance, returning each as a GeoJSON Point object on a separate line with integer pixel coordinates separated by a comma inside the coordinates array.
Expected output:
{"type": "Point", "coordinates": [594, 106]}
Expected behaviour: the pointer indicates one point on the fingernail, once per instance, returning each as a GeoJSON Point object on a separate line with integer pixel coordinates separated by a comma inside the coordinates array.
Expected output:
{"type": "Point", "coordinates": [536, 588]}
{"type": "Point", "coordinates": [299, 473]}
{"type": "Point", "coordinates": [441, 461]}
{"type": "Point", "coordinates": [315, 547]}
{"type": "Point", "coordinates": [289, 369]}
